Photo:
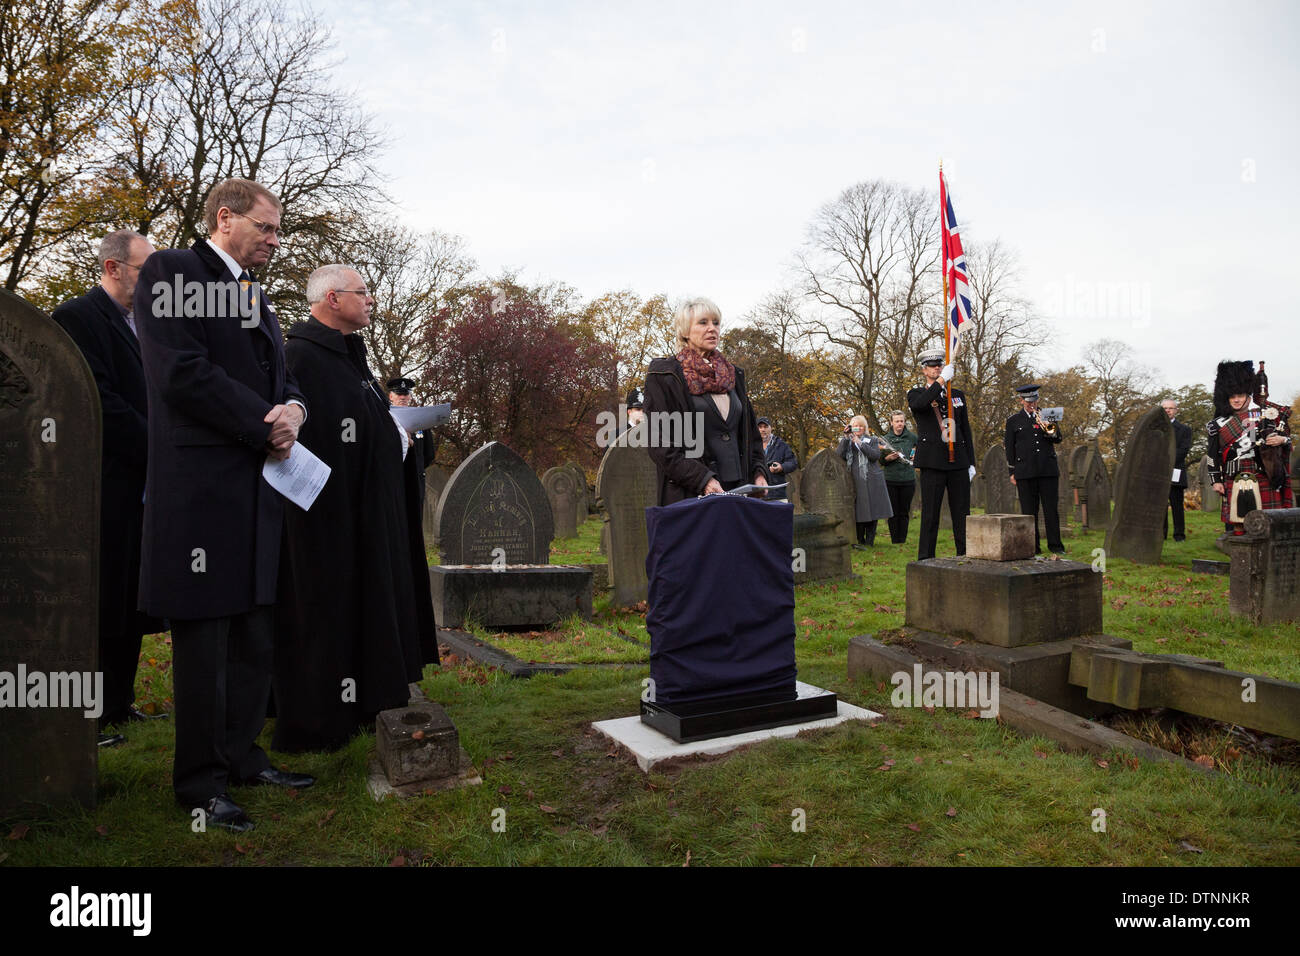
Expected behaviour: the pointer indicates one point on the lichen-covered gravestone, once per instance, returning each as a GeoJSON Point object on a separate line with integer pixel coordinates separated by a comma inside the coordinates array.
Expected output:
{"type": "Point", "coordinates": [1077, 473]}
{"type": "Point", "coordinates": [562, 492]}
{"type": "Point", "coordinates": [1000, 494]}
{"type": "Point", "coordinates": [49, 562]}
{"type": "Point", "coordinates": [627, 484]}
{"type": "Point", "coordinates": [435, 480]}
{"type": "Point", "coordinates": [1265, 574]}
{"type": "Point", "coordinates": [1211, 500]}
{"type": "Point", "coordinates": [1096, 489]}
{"type": "Point", "coordinates": [827, 489]}
{"type": "Point", "coordinates": [1142, 491]}
{"type": "Point", "coordinates": [584, 497]}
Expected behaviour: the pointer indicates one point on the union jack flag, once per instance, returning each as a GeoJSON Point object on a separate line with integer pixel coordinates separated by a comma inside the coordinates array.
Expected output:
{"type": "Point", "coordinates": [954, 265]}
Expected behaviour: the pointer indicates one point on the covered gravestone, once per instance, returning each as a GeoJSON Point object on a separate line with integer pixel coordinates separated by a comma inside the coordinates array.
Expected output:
{"type": "Point", "coordinates": [49, 563]}
{"type": "Point", "coordinates": [1001, 494]}
{"type": "Point", "coordinates": [1211, 500]}
{"type": "Point", "coordinates": [1097, 490]}
{"type": "Point", "coordinates": [495, 528]}
{"type": "Point", "coordinates": [1077, 471]}
{"type": "Point", "coordinates": [1142, 491]}
{"type": "Point", "coordinates": [626, 484]}
{"type": "Point", "coordinates": [979, 491]}
{"type": "Point", "coordinates": [827, 488]}
{"type": "Point", "coordinates": [562, 491]}
{"type": "Point", "coordinates": [435, 480]}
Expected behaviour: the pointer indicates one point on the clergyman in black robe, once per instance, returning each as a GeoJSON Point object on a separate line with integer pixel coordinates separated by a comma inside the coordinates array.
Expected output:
{"type": "Point", "coordinates": [354, 617]}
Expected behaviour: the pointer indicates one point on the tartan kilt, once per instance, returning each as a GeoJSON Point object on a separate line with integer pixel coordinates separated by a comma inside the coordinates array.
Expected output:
{"type": "Point", "coordinates": [1271, 499]}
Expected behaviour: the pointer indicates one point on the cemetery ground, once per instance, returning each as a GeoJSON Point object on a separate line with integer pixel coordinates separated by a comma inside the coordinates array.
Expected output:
{"type": "Point", "coordinates": [912, 788]}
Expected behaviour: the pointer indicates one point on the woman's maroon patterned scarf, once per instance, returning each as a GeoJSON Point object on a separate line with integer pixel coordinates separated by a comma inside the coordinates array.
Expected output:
{"type": "Point", "coordinates": [714, 375]}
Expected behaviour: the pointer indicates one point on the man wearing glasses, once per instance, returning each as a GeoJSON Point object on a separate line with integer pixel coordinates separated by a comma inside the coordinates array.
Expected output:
{"type": "Point", "coordinates": [101, 324]}
{"type": "Point", "coordinates": [221, 400]}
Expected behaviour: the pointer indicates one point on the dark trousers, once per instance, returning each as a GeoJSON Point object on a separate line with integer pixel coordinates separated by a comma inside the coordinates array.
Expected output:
{"type": "Point", "coordinates": [866, 532]}
{"type": "Point", "coordinates": [1032, 492]}
{"type": "Point", "coordinates": [900, 498]}
{"type": "Point", "coordinates": [120, 625]}
{"type": "Point", "coordinates": [1176, 506]}
{"type": "Point", "coordinates": [221, 672]}
{"type": "Point", "coordinates": [934, 482]}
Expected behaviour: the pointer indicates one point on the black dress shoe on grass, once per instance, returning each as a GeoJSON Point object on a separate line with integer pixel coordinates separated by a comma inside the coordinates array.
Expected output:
{"type": "Point", "coordinates": [111, 740]}
{"type": "Point", "coordinates": [270, 777]}
{"type": "Point", "coordinates": [223, 812]}
{"type": "Point", "coordinates": [135, 713]}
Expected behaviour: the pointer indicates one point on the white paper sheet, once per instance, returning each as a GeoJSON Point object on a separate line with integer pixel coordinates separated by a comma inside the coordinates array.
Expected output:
{"type": "Point", "coordinates": [1177, 474]}
{"type": "Point", "coordinates": [300, 477]}
{"type": "Point", "coordinates": [418, 417]}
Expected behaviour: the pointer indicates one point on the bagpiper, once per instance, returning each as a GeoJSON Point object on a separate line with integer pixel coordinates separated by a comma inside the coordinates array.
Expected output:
{"type": "Point", "coordinates": [1249, 445]}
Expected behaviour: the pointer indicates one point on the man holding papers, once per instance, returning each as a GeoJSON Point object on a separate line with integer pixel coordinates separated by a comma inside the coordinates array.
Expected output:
{"type": "Point", "coordinates": [220, 402]}
{"type": "Point", "coordinates": [354, 617]}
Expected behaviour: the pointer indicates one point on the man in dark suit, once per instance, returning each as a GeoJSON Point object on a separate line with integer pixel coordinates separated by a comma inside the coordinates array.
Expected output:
{"type": "Point", "coordinates": [220, 401]}
{"type": "Point", "coordinates": [101, 324]}
{"type": "Point", "coordinates": [1031, 459]}
{"type": "Point", "coordinates": [936, 474]}
{"type": "Point", "coordinates": [1182, 445]}
{"type": "Point", "coordinates": [423, 444]}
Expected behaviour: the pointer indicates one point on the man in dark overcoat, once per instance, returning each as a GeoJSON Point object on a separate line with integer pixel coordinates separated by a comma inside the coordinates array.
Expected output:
{"type": "Point", "coordinates": [220, 402]}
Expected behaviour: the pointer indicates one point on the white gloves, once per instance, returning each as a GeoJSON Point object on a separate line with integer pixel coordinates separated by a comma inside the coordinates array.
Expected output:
{"type": "Point", "coordinates": [971, 472]}
{"type": "Point", "coordinates": [947, 373]}
{"type": "Point", "coordinates": [406, 439]}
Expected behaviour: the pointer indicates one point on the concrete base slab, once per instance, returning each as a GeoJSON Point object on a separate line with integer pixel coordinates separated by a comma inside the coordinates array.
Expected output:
{"type": "Point", "coordinates": [378, 787]}
{"type": "Point", "coordinates": [650, 747]}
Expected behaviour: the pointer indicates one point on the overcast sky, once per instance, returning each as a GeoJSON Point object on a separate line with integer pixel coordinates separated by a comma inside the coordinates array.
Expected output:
{"type": "Point", "coordinates": [1135, 155]}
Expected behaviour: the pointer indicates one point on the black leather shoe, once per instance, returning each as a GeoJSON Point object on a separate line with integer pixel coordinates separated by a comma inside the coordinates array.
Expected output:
{"type": "Point", "coordinates": [1058, 551]}
{"type": "Point", "coordinates": [223, 812]}
{"type": "Point", "coordinates": [270, 777]}
{"type": "Point", "coordinates": [111, 740]}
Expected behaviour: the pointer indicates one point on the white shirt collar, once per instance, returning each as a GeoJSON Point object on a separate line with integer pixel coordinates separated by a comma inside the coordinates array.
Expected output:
{"type": "Point", "coordinates": [231, 264]}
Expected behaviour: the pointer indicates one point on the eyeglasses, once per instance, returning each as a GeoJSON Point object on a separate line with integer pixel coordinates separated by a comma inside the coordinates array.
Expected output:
{"type": "Point", "coordinates": [136, 266]}
{"type": "Point", "coordinates": [265, 228]}
{"type": "Point", "coordinates": [364, 293]}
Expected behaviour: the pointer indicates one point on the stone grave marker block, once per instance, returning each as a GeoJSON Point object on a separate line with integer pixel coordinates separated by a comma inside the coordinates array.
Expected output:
{"type": "Point", "coordinates": [825, 552]}
{"type": "Point", "coordinates": [562, 491]}
{"type": "Point", "coordinates": [827, 489]}
{"type": "Point", "coordinates": [50, 447]}
{"type": "Point", "coordinates": [1000, 537]}
{"type": "Point", "coordinates": [627, 484]}
{"type": "Point", "coordinates": [1211, 500]}
{"type": "Point", "coordinates": [493, 500]}
{"type": "Point", "coordinates": [1264, 576]}
{"type": "Point", "coordinates": [434, 755]}
{"type": "Point", "coordinates": [1142, 491]}
{"type": "Point", "coordinates": [435, 480]}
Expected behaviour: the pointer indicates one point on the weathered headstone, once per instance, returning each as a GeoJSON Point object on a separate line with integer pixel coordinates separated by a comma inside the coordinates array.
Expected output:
{"type": "Point", "coordinates": [494, 501]}
{"type": "Point", "coordinates": [1077, 473]}
{"type": "Point", "coordinates": [1264, 579]}
{"type": "Point", "coordinates": [979, 491]}
{"type": "Point", "coordinates": [1096, 490]}
{"type": "Point", "coordinates": [820, 552]}
{"type": "Point", "coordinates": [562, 491]}
{"type": "Point", "coordinates": [50, 445]}
{"type": "Point", "coordinates": [435, 480]}
{"type": "Point", "coordinates": [795, 481]}
{"type": "Point", "coordinates": [1211, 500]}
{"type": "Point", "coordinates": [827, 489]}
{"type": "Point", "coordinates": [584, 496]}
{"type": "Point", "coordinates": [1142, 491]}
{"type": "Point", "coordinates": [1000, 492]}
{"type": "Point", "coordinates": [626, 484]}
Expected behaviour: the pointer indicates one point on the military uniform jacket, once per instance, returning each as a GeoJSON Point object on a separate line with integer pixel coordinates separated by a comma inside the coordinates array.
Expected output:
{"type": "Point", "coordinates": [931, 447]}
{"type": "Point", "coordinates": [1029, 449]}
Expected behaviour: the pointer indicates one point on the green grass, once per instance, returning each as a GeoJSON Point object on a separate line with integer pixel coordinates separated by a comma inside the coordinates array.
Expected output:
{"type": "Point", "coordinates": [571, 799]}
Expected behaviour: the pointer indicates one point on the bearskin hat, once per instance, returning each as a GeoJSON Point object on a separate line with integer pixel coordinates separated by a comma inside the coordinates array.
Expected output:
{"type": "Point", "coordinates": [1232, 378]}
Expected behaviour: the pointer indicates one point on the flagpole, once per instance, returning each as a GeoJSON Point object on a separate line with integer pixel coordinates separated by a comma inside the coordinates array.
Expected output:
{"type": "Point", "coordinates": [947, 319]}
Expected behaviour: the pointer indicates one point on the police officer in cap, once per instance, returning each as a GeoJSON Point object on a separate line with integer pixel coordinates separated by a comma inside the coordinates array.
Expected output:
{"type": "Point", "coordinates": [935, 473]}
{"type": "Point", "coordinates": [399, 394]}
{"type": "Point", "coordinates": [1031, 459]}
{"type": "Point", "coordinates": [635, 408]}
